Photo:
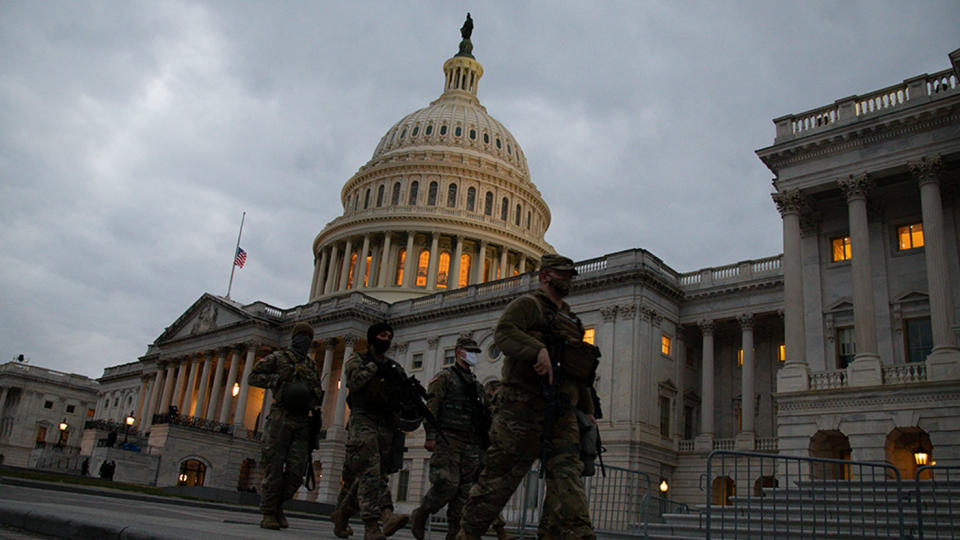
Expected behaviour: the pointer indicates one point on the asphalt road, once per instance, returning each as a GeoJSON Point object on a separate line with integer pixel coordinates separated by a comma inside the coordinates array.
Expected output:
{"type": "Point", "coordinates": [51, 511]}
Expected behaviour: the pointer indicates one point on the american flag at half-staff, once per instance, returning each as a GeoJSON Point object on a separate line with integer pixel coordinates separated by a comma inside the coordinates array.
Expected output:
{"type": "Point", "coordinates": [239, 256]}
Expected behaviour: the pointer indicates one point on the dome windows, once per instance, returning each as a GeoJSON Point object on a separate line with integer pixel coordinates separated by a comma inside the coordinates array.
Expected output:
{"type": "Point", "coordinates": [458, 132]}
{"type": "Point", "coordinates": [380, 196]}
{"type": "Point", "coordinates": [498, 143]}
{"type": "Point", "coordinates": [517, 216]}
{"type": "Point", "coordinates": [414, 188]}
{"type": "Point", "coordinates": [395, 198]}
{"type": "Point", "coordinates": [402, 133]}
{"type": "Point", "coordinates": [471, 198]}
{"type": "Point", "coordinates": [473, 134]}
{"type": "Point", "coordinates": [432, 194]}
{"type": "Point", "coordinates": [488, 204]}
{"type": "Point", "coordinates": [416, 129]}
{"type": "Point", "coordinates": [452, 196]}
{"type": "Point", "coordinates": [504, 208]}
{"type": "Point", "coordinates": [486, 139]}
{"type": "Point", "coordinates": [366, 200]}
{"type": "Point", "coordinates": [443, 129]}
{"type": "Point", "coordinates": [428, 130]}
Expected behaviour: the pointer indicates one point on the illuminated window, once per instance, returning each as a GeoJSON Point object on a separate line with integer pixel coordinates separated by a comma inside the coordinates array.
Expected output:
{"type": "Point", "coordinates": [488, 204]}
{"type": "Point", "coordinates": [740, 357]}
{"type": "Point", "coordinates": [589, 334]}
{"type": "Point", "coordinates": [486, 270]}
{"type": "Point", "coordinates": [443, 270]}
{"type": "Point", "coordinates": [353, 264]}
{"type": "Point", "coordinates": [366, 199]}
{"type": "Point", "coordinates": [414, 188]}
{"type": "Point", "coordinates": [782, 353]}
{"type": "Point", "coordinates": [401, 262]}
{"type": "Point", "coordinates": [395, 198]}
{"type": "Point", "coordinates": [665, 344]}
{"type": "Point", "coordinates": [41, 434]}
{"type": "Point", "coordinates": [452, 196]}
{"type": "Point", "coordinates": [910, 236]}
{"type": "Point", "coordinates": [432, 194]}
{"type": "Point", "coordinates": [471, 198]}
{"type": "Point", "coordinates": [366, 273]}
{"type": "Point", "coordinates": [464, 277]}
{"type": "Point", "coordinates": [91, 412]}
{"type": "Point", "coordinates": [504, 208]}
{"type": "Point", "coordinates": [422, 264]}
{"type": "Point", "coordinates": [380, 196]}
{"type": "Point", "coordinates": [840, 248]}
{"type": "Point", "coordinates": [192, 473]}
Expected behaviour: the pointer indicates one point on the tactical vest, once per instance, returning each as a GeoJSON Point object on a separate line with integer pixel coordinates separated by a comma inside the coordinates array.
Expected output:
{"type": "Point", "coordinates": [456, 410]}
{"type": "Point", "coordinates": [580, 359]}
{"type": "Point", "coordinates": [374, 397]}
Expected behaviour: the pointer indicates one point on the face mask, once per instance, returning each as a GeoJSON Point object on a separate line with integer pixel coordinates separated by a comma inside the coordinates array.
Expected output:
{"type": "Point", "coordinates": [300, 344]}
{"type": "Point", "coordinates": [470, 358]}
{"type": "Point", "coordinates": [380, 345]}
{"type": "Point", "coordinates": [562, 288]}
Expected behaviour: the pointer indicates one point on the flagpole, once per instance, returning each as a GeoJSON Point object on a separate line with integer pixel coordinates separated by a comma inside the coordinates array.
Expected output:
{"type": "Point", "coordinates": [233, 261]}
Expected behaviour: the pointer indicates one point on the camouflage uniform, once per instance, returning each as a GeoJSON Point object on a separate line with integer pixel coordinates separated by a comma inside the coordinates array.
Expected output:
{"type": "Point", "coordinates": [370, 432]}
{"type": "Point", "coordinates": [456, 462]}
{"type": "Point", "coordinates": [285, 444]}
{"type": "Point", "coordinates": [517, 426]}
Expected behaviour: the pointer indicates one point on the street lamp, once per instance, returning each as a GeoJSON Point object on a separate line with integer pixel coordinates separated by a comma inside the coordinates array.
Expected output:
{"type": "Point", "coordinates": [920, 456]}
{"type": "Point", "coordinates": [129, 421]}
{"type": "Point", "coordinates": [664, 487]}
{"type": "Point", "coordinates": [63, 432]}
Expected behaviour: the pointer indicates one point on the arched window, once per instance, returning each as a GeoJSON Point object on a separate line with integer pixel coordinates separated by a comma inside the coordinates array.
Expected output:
{"type": "Point", "coordinates": [528, 220]}
{"type": "Point", "coordinates": [443, 270]}
{"type": "Point", "coordinates": [191, 473]}
{"type": "Point", "coordinates": [423, 264]}
{"type": "Point", "coordinates": [401, 262]}
{"type": "Point", "coordinates": [488, 204]}
{"type": "Point", "coordinates": [486, 270]}
{"type": "Point", "coordinates": [414, 188]}
{"type": "Point", "coordinates": [516, 218]}
{"type": "Point", "coordinates": [353, 265]}
{"type": "Point", "coordinates": [432, 194]}
{"type": "Point", "coordinates": [471, 198]}
{"type": "Point", "coordinates": [366, 200]}
{"type": "Point", "coordinates": [452, 196]}
{"type": "Point", "coordinates": [464, 277]}
{"type": "Point", "coordinates": [504, 208]}
{"type": "Point", "coordinates": [380, 196]}
{"type": "Point", "coordinates": [395, 199]}
{"type": "Point", "coordinates": [356, 201]}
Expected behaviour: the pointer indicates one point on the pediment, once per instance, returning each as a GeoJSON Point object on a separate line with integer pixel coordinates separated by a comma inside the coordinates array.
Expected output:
{"type": "Point", "coordinates": [840, 306]}
{"type": "Point", "coordinates": [667, 385]}
{"type": "Point", "coordinates": [912, 297]}
{"type": "Point", "coordinates": [207, 314]}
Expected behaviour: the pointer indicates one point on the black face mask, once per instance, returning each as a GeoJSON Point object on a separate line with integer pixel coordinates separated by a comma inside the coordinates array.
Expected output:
{"type": "Point", "coordinates": [300, 344]}
{"type": "Point", "coordinates": [562, 288]}
{"type": "Point", "coordinates": [380, 345]}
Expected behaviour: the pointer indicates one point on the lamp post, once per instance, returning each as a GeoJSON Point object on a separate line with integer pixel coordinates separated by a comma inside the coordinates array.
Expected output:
{"type": "Point", "coordinates": [63, 433]}
{"type": "Point", "coordinates": [920, 456]}
{"type": "Point", "coordinates": [129, 421]}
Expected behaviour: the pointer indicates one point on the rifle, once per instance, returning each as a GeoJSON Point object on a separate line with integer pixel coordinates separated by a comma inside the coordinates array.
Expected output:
{"type": "Point", "coordinates": [598, 414]}
{"type": "Point", "coordinates": [409, 394]}
{"type": "Point", "coordinates": [313, 437]}
{"type": "Point", "coordinates": [550, 392]}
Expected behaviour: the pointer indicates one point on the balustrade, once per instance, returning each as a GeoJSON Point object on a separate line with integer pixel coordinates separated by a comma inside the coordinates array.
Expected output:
{"type": "Point", "coordinates": [828, 380]}
{"type": "Point", "coordinates": [905, 373]}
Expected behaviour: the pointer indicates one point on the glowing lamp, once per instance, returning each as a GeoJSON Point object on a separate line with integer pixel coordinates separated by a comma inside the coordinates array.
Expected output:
{"type": "Point", "coordinates": [920, 456]}
{"type": "Point", "coordinates": [664, 487]}
{"type": "Point", "coordinates": [236, 389]}
{"type": "Point", "coordinates": [63, 425]}
{"type": "Point", "coordinates": [130, 419]}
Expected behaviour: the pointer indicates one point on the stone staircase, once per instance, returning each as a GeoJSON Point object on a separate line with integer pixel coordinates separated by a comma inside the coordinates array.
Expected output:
{"type": "Point", "coordinates": [826, 509]}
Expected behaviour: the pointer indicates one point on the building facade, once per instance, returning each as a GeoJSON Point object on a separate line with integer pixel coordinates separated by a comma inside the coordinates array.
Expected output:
{"type": "Point", "coordinates": [843, 346]}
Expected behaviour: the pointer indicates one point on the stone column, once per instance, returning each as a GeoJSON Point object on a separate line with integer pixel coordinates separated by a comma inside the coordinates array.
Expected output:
{"type": "Point", "coordinates": [228, 389]}
{"type": "Point", "coordinates": [150, 409]}
{"type": "Point", "coordinates": [944, 361]}
{"type": "Point", "coordinates": [330, 384]}
{"type": "Point", "coordinates": [188, 403]}
{"type": "Point", "coordinates": [523, 264]}
{"type": "Point", "coordinates": [704, 441]}
{"type": "Point", "coordinates": [167, 388]}
{"type": "Point", "coordinates": [204, 384]}
{"type": "Point", "coordinates": [340, 411]}
{"type": "Point", "coordinates": [434, 261]}
{"type": "Point", "coordinates": [319, 273]}
{"type": "Point", "coordinates": [384, 270]}
{"type": "Point", "coordinates": [178, 387]}
{"type": "Point", "coordinates": [453, 278]}
{"type": "Point", "coordinates": [478, 265]}
{"type": "Point", "coordinates": [504, 257]}
{"type": "Point", "coordinates": [794, 376]}
{"type": "Point", "coordinates": [865, 369]}
{"type": "Point", "coordinates": [680, 367]}
{"type": "Point", "coordinates": [345, 267]}
{"type": "Point", "coordinates": [217, 387]}
{"type": "Point", "coordinates": [331, 270]}
{"type": "Point", "coordinates": [360, 273]}
{"type": "Point", "coordinates": [745, 439]}
{"type": "Point", "coordinates": [408, 273]}
{"type": "Point", "coordinates": [241, 411]}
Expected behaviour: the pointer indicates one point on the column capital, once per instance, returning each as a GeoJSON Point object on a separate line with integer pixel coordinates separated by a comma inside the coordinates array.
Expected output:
{"type": "Point", "coordinates": [926, 169]}
{"type": "Point", "coordinates": [706, 326]}
{"type": "Point", "coordinates": [609, 313]}
{"type": "Point", "coordinates": [433, 341]}
{"type": "Point", "coordinates": [855, 186]}
{"type": "Point", "coordinates": [400, 347]}
{"type": "Point", "coordinates": [349, 340]}
{"type": "Point", "coordinates": [790, 201]}
{"type": "Point", "coordinates": [627, 311]}
{"type": "Point", "coordinates": [746, 321]}
{"type": "Point", "coordinates": [330, 343]}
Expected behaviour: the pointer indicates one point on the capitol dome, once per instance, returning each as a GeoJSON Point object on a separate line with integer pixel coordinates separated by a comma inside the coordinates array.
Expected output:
{"type": "Point", "coordinates": [446, 201]}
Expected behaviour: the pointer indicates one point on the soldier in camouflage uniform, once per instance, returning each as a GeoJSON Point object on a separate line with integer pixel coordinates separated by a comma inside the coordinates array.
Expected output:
{"type": "Point", "coordinates": [458, 402]}
{"type": "Point", "coordinates": [519, 420]}
{"type": "Point", "coordinates": [370, 435]}
{"type": "Point", "coordinates": [293, 379]}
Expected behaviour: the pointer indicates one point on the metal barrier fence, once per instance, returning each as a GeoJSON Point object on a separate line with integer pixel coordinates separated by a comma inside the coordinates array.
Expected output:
{"type": "Point", "coordinates": [938, 501]}
{"type": "Point", "coordinates": [802, 497]}
{"type": "Point", "coordinates": [620, 502]}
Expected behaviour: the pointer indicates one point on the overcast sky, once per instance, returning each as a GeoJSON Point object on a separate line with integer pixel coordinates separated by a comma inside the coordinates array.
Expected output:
{"type": "Point", "coordinates": [134, 134]}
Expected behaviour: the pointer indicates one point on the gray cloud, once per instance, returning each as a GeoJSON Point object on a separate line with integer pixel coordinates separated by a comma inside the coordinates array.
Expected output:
{"type": "Point", "coordinates": [134, 134]}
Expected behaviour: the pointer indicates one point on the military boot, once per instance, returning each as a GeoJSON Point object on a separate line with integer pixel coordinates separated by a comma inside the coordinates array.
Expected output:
{"type": "Point", "coordinates": [418, 522]}
{"type": "Point", "coordinates": [393, 522]}
{"type": "Point", "coordinates": [269, 521]}
{"type": "Point", "coordinates": [464, 535]}
{"type": "Point", "coordinates": [371, 530]}
{"type": "Point", "coordinates": [341, 524]}
{"type": "Point", "coordinates": [502, 534]}
{"type": "Point", "coordinates": [282, 519]}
